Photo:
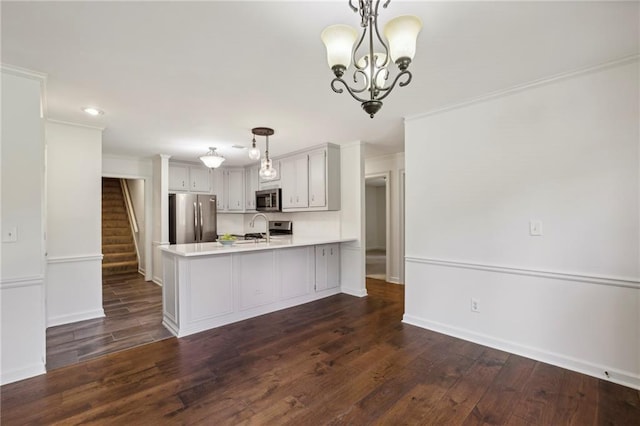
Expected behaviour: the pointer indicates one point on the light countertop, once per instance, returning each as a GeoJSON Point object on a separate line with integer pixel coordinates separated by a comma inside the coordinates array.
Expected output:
{"type": "Point", "coordinates": [279, 242]}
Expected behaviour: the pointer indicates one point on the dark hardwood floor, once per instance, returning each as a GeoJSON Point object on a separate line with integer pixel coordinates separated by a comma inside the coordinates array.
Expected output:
{"type": "Point", "coordinates": [340, 360]}
{"type": "Point", "coordinates": [133, 317]}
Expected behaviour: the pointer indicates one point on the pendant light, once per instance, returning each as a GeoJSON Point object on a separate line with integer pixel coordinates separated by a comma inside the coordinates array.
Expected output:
{"type": "Point", "coordinates": [254, 153]}
{"type": "Point", "coordinates": [212, 159]}
{"type": "Point", "coordinates": [267, 171]}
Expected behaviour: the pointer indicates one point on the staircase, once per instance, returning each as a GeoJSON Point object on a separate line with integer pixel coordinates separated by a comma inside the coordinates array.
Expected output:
{"type": "Point", "coordinates": [118, 249]}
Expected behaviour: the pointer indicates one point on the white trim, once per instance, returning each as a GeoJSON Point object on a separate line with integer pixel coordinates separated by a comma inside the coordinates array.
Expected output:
{"type": "Point", "coordinates": [518, 88]}
{"type": "Point", "coordinates": [23, 72]}
{"type": "Point", "coordinates": [81, 258]}
{"type": "Point", "coordinates": [35, 280]}
{"type": "Point", "coordinates": [69, 123]}
{"type": "Point", "coordinates": [78, 316]}
{"type": "Point", "coordinates": [592, 279]}
{"type": "Point", "coordinates": [625, 378]}
{"type": "Point", "coordinates": [352, 292]}
{"type": "Point", "coordinates": [32, 370]}
{"type": "Point", "coordinates": [160, 243]}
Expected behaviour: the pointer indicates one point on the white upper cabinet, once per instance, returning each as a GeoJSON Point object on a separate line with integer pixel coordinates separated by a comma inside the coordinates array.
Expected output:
{"type": "Point", "coordinates": [228, 185]}
{"type": "Point", "coordinates": [219, 189]}
{"type": "Point", "coordinates": [200, 179]}
{"type": "Point", "coordinates": [235, 194]}
{"type": "Point", "coordinates": [251, 183]}
{"type": "Point", "coordinates": [311, 180]}
{"type": "Point", "coordinates": [183, 177]}
{"type": "Point", "coordinates": [317, 178]}
{"type": "Point", "coordinates": [295, 182]}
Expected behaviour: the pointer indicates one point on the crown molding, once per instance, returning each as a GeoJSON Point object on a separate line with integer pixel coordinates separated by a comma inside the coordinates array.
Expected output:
{"type": "Point", "coordinates": [529, 85]}
{"type": "Point", "coordinates": [69, 123]}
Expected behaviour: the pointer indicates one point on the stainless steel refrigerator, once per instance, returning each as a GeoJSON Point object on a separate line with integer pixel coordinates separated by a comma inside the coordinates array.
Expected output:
{"type": "Point", "coordinates": [192, 218]}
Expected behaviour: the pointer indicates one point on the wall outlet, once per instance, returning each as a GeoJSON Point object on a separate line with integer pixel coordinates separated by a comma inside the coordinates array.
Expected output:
{"type": "Point", "coordinates": [535, 228]}
{"type": "Point", "coordinates": [475, 305]}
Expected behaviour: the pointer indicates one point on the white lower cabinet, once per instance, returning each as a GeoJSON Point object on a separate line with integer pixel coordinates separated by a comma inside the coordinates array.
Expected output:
{"type": "Point", "coordinates": [205, 291]}
{"type": "Point", "coordinates": [327, 266]}
{"type": "Point", "coordinates": [253, 276]}
{"type": "Point", "coordinates": [295, 271]}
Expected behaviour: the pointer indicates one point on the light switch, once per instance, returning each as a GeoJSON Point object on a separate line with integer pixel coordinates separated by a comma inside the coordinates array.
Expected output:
{"type": "Point", "coordinates": [535, 228]}
{"type": "Point", "coordinates": [10, 234]}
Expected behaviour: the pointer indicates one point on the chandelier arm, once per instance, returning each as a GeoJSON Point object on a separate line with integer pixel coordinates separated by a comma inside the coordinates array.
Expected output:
{"type": "Point", "coordinates": [349, 89]}
{"type": "Point", "coordinates": [355, 9]}
{"type": "Point", "coordinates": [355, 80]}
{"type": "Point", "coordinates": [395, 80]}
{"type": "Point", "coordinates": [355, 50]}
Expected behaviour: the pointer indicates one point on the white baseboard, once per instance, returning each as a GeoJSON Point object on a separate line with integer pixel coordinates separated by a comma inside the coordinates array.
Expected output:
{"type": "Point", "coordinates": [624, 378]}
{"type": "Point", "coordinates": [7, 377]}
{"type": "Point", "coordinates": [78, 316]}
{"type": "Point", "coordinates": [157, 280]}
{"type": "Point", "coordinates": [352, 292]}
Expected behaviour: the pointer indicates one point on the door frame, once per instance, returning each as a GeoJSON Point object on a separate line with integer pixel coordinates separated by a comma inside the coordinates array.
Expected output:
{"type": "Point", "coordinates": [387, 206]}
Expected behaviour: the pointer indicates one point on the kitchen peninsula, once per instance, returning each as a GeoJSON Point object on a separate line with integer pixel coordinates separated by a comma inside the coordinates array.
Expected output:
{"type": "Point", "coordinates": [207, 285]}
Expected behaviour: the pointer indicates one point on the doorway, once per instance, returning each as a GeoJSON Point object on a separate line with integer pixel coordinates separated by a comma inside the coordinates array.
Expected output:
{"type": "Point", "coordinates": [377, 226]}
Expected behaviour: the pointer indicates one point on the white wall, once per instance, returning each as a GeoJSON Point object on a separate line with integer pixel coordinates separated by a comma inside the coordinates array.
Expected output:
{"type": "Point", "coordinates": [74, 215]}
{"type": "Point", "coordinates": [140, 169]}
{"type": "Point", "coordinates": [137, 193]}
{"type": "Point", "coordinates": [394, 166]}
{"type": "Point", "coordinates": [352, 220]}
{"type": "Point", "coordinates": [22, 318]}
{"type": "Point", "coordinates": [160, 212]}
{"type": "Point", "coordinates": [565, 152]}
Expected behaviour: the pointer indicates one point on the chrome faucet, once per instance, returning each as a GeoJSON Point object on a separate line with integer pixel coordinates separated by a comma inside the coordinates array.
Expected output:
{"type": "Point", "coordinates": [266, 220]}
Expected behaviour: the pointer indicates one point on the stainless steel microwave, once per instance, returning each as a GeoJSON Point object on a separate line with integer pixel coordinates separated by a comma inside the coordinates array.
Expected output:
{"type": "Point", "coordinates": [269, 200]}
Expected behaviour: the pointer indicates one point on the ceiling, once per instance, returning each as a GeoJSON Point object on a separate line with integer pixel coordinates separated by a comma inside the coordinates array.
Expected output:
{"type": "Point", "coordinates": [177, 77]}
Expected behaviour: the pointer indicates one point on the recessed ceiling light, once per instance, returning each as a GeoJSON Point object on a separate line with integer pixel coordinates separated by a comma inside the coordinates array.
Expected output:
{"type": "Point", "coordinates": [92, 111]}
{"type": "Point", "coordinates": [238, 147]}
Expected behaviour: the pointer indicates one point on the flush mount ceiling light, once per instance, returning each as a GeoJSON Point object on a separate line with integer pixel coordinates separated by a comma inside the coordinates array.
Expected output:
{"type": "Point", "coordinates": [267, 171]}
{"type": "Point", "coordinates": [212, 159]}
{"type": "Point", "coordinates": [371, 69]}
{"type": "Point", "coordinates": [93, 111]}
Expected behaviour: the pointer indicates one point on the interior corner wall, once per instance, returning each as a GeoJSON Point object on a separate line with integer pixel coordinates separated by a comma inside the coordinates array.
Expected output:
{"type": "Point", "coordinates": [566, 153]}
{"type": "Point", "coordinates": [394, 165]}
{"type": "Point", "coordinates": [352, 220]}
{"type": "Point", "coordinates": [74, 223]}
{"type": "Point", "coordinates": [22, 313]}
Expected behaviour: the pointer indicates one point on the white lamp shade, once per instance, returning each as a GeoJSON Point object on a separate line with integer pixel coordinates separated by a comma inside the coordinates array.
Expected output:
{"type": "Point", "coordinates": [381, 76]}
{"type": "Point", "coordinates": [402, 33]}
{"type": "Point", "coordinates": [212, 159]}
{"type": "Point", "coordinates": [339, 39]}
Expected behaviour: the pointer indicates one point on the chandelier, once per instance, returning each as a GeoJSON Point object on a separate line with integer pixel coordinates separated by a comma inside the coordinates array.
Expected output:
{"type": "Point", "coordinates": [212, 159]}
{"type": "Point", "coordinates": [267, 171]}
{"type": "Point", "coordinates": [371, 72]}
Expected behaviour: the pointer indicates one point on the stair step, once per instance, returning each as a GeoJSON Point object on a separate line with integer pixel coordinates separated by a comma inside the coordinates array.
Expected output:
{"type": "Point", "coordinates": [110, 223]}
{"type": "Point", "coordinates": [112, 232]}
{"type": "Point", "coordinates": [111, 258]}
{"type": "Point", "coordinates": [119, 267]}
{"type": "Point", "coordinates": [117, 248]}
{"type": "Point", "coordinates": [112, 204]}
{"type": "Point", "coordinates": [116, 239]}
{"type": "Point", "coordinates": [114, 216]}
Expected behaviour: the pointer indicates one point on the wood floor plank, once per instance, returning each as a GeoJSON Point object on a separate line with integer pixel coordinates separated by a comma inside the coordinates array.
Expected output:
{"type": "Point", "coordinates": [339, 360]}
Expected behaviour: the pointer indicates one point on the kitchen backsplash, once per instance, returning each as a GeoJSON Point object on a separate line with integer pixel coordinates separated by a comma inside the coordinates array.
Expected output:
{"type": "Point", "coordinates": [305, 224]}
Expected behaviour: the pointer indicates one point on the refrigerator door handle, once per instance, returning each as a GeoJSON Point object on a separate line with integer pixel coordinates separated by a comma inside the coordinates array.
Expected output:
{"type": "Point", "coordinates": [195, 222]}
{"type": "Point", "coordinates": [201, 222]}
